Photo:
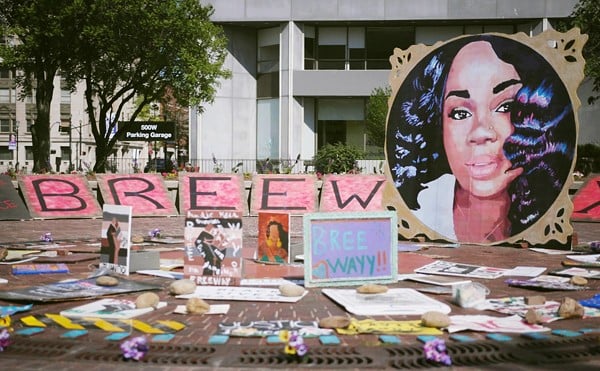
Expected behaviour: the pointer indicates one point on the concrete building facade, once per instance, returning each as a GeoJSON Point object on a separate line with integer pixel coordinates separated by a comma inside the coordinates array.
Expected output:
{"type": "Point", "coordinates": [303, 70]}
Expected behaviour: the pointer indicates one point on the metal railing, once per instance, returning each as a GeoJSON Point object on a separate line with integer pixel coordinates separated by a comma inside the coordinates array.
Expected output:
{"type": "Point", "coordinates": [241, 166]}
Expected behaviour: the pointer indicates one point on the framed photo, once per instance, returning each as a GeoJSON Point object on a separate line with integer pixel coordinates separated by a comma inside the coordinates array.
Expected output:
{"type": "Point", "coordinates": [350, 248]}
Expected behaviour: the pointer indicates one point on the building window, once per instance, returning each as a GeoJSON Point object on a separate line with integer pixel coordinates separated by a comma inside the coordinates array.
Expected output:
{"type": "Point", "coordinates": [331, 48]}
{"type": "Point", "coordinates": [353, 48]}
{"type": "Point", "coordinates": [7, 95]}
{"type": "Point", "coordinates": [64, 127]}
{"type": "Point", "coordinates": [267, 84]}
{"type": "Point", "coordinates": [65, 152]}
{"type": "Point", "coordinates": [6, 154]}
{"type": "Point", "coordinates": [267, 128]}
{"type": "Point", "coordinates": [65, 96]}
{"type": "Point", "coordinates": [28, 153]}
{"type": "Point", "coordinates": [341, 120]}
{"type": "Point", "coordinates": [310, 46]}
{"type": "Point", "coordinates": [381, 42]}
{"type": "Point", "coordinates": [5, 125]}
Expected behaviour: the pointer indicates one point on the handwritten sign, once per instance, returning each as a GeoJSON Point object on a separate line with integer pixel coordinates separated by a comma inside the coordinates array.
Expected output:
{"type": "Point", "coordinates": [146, 193]}
{"type": "Point", "coordinates": [225, 192]}
{"type": "Point", "coordinates": [59, 196]}
{"type": "Point", "coordinates": [343, 192]}
{"type": "Point", "coordinates": [350, 248]}
{"type": "Point", "coordinates": [292, 194]}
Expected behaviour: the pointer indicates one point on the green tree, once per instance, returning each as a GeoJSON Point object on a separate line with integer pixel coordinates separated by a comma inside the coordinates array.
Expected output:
{"type": "Point", "coordinates": [585, 16]}
{"type": "Point", "coordinates": [376, 116]}
{"type": "Point", "coordinates": [120, 49]}
{"type": "Point", "coordinates": [143, 48]}
{"type": "Point", "coordinates": [37, 36]}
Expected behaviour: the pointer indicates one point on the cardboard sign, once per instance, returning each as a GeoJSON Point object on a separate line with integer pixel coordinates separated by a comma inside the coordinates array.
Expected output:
{"type": "Point", "coordinates": [115, 241]}
{"type": "Point", "coordinates": [352, 193]}
{"type": "Point", "coordinates": [350, 248]}
{"type": "Point", "coordinates": [12, 206]}
{"type": "Point", "coordinates": [586, 203]}
{"type": "Point", "coordinates": [199, 192]}
{"type": "Point", "coordinates": [293, 194]}
{"type": "Point", "coordinates": [146, 193]}
{"type": "Point", "coordinates": [213, 247]}
{"type": "Point", "coordinates": [59, 196]}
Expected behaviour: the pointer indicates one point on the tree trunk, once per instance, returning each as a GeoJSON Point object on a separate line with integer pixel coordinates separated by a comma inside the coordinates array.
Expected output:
{"type": "Point", "coordinates": [40, 132]}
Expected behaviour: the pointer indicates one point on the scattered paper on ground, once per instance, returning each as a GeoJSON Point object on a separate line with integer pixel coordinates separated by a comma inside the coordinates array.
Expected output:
{"type": "Point", "coordinates": [244, 293]}
{"type": "Point", "coordinates": [512, 324]}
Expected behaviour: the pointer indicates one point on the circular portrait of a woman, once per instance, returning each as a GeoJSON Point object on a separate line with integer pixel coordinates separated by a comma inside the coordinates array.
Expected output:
{"type": "Point", "coordinates": [481, 138]}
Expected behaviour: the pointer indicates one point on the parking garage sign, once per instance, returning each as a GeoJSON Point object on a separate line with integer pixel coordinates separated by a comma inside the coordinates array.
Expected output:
{"type": "Point", "coordinates": [148, 131]}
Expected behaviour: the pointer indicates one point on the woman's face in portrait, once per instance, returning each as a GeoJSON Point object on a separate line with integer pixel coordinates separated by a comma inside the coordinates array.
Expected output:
{"type": "Point", "coordinates": [478, 99]}
{"type": "Point", "coordinates": [273, 232]}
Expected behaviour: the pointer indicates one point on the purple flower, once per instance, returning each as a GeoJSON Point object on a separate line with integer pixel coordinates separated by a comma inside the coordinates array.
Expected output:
{"type": "Point", "coordinates": [155, 233]}
{"type": "Point", "coordinates": [135, 348]}
{"type": "Point", "coordinates": [435, 350]}
{"type": "Point", "coordinates": [4, 339]}
{"type": "Point", "coordinates": [47, 237]}
{"type": "Point", "coordinates": [301, 349]}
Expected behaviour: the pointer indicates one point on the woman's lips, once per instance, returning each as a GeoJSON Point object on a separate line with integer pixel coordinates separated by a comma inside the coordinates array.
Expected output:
{"type": "Point", "coordinates": [481, 167]}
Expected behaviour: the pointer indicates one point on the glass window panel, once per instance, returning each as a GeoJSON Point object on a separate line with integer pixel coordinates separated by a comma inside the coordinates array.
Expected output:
{"type": "Point", "coordinates": [267, 85]}
{"type": "Point", "coordinates": [65, 96]}
{"type": "Point", "coordinates": [332, 52]}
{"type": "Point", "coordinates": [267, 131]}
{"type": "Point", "coordinates": [332, 65]}
{"type": "Point", "coordinates": [5, 95]}
{"type": "Point", "coordinates": [332, 36]}
{"type": "Point", "coordinates": [309, 48]}
{"type": "Point", "coordinates": [5, 125]}
{"type": "Point", "coordinates": [28, 153]}
{"type": "Point", "coordinates": [381, 42]}
{"type": "Point", "coordinates": [5, 154]}
{"type": "Point", "coordinates": [357, 65]}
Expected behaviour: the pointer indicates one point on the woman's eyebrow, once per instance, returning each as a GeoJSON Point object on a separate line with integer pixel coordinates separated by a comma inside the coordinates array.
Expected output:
{"type": "Point", "coordinates": [459, 93]}
{"type": "Point", "coordinates": [505, 84]}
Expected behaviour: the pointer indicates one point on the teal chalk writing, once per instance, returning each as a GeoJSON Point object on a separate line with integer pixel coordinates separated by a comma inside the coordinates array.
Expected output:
{"type": "Point", "coordinates": [362, 265]}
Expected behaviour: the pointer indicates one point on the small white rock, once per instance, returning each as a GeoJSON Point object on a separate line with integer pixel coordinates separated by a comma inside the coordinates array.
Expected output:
{"type": "Point", "coordinates": [182, 287]}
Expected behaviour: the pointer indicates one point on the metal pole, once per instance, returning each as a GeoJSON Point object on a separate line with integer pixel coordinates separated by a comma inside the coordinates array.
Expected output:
{"type": "Point", "coordinates": [70, 146]}
{"type": "Point", "coordinates": [79, 150]}
{"type": "Point", "coordinates": [17, 141]}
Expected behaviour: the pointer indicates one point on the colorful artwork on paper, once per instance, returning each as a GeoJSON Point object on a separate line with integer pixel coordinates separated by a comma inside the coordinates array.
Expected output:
{"type": "Point", "coordinates": [59, 196]}
{"type": "Point", "coordinates": [213, 247]}
{"type": "Point", "coordinates": [224, 192]}
{"type": "Point", "coordinates": [586, 202]}
{"type": "Point", "coordinates": [292, 194]}
{"type": "Point", "coordinates": [115, 238]}
{"type": "Point", "coordinates": [481, 137]}
{"type": "Point", "coordinates": [352, 193]}
{"type": "Point", "coordinates": [350, 248]}
{"type": "Point", "coordinates": [147, 194]}
{"type": "Point", "coordinates": [273, 238]}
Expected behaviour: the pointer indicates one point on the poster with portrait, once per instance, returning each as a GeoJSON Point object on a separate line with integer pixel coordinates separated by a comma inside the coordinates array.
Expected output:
{"type": "Point", "coordinates": [273, 238]}
{"type": "Point", "coordinates": [115, 239]}
{"type": "Point", "coordinates": [481, 137]}
{"type": "Point", "coordinates": [213, 247]}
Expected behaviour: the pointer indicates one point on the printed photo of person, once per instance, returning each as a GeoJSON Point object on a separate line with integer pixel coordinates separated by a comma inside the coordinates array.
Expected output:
{"type": "Point", "coordinates": [481, 138]}
{"type": "Point", "coordinates": [116, 231]}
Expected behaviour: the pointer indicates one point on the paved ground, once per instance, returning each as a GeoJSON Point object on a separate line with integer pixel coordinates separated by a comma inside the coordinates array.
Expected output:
{"type": "Point", "coordinates": [189, 349]}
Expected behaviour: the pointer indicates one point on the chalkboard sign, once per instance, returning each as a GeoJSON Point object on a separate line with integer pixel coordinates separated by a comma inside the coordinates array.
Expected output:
{"type": "Point", "coordinates": [350, 248]}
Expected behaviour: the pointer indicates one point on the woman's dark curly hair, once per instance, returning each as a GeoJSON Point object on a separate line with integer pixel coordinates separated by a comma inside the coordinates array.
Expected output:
{"type": "Point", "coordinates": [543, 142]}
